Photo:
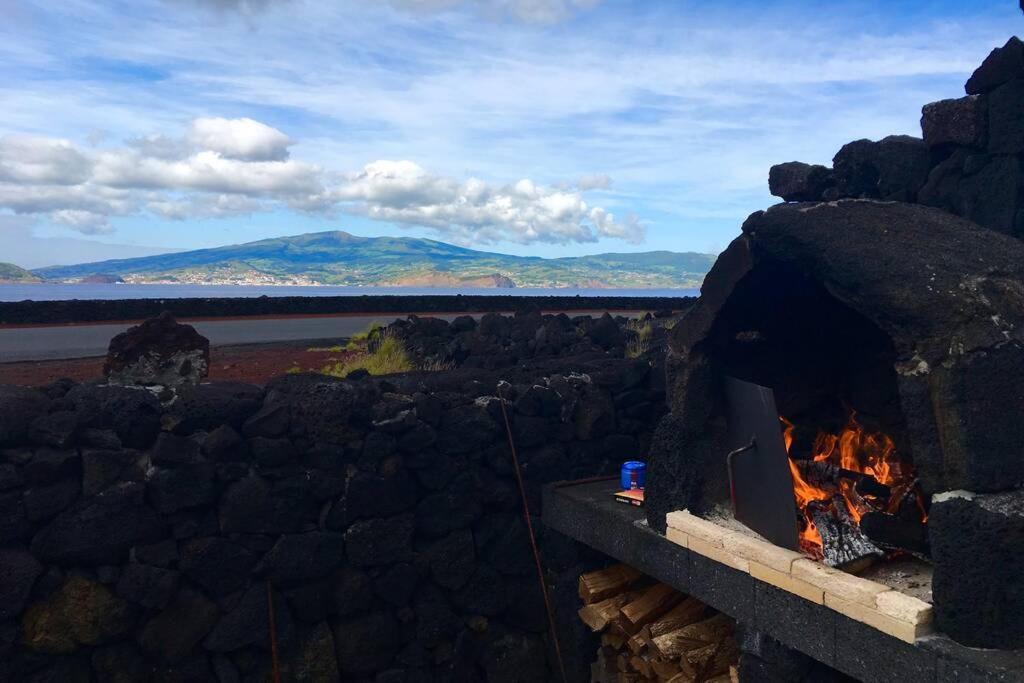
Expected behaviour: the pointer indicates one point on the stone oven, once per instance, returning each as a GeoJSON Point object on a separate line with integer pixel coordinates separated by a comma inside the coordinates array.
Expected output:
{"type": "Point", "coordinates": [899, 322]}
{"type": "Point", "coordinates": [842, 467]}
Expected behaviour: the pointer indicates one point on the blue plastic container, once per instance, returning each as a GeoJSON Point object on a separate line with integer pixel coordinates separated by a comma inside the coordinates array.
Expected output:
{"type": "Point", "coordinates": [633, 475]}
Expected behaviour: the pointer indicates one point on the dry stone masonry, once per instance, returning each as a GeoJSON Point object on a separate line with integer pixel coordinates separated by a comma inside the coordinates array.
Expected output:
{"type": "Point", "coordinates": [379, 517]}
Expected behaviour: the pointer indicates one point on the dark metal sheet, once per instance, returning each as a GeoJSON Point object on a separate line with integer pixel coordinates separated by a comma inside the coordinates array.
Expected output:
{"type": "Point", "coordinates": [762, 486]}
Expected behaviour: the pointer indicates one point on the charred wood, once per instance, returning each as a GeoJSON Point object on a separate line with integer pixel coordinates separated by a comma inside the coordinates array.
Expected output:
{"type": "Point", "coordinates": [843, 542]}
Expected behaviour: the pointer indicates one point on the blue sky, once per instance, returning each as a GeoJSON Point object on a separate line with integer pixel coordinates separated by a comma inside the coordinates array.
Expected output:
{"type": "Point", "coordinates": [542, 127]}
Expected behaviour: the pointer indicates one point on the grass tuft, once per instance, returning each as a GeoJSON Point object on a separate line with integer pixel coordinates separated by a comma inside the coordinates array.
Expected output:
{"type": "Point", "coordinates": [640, 342]}
{"type": "Point", "coordinates": [387, 357]}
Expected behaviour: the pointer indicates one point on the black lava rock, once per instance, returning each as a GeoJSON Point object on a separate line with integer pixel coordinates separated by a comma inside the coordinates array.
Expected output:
{"type": "Point", "coordinates": [148, 586]}
{"type": "Point", "coordinates": [44, 502]}
{"type": "Point", "coordinates": [254, 505]}
{"type": "Point", "coordinates": [894, 168]}
{"type": "Point", "coordinates": [174, 632]}
{"type": "Point", "coordinates": [220, 565]}
{"type": "Point", "coordinates": [300, 557]}
{"type": "Point", "coordinates": [18, 573]}
{"type": "Point", "coordinates": [452, 559]}
{"type": "Point", "coordinates": [224, 444]}
{"type": "Point", "coordinates": [1005, 123]}
{"type": "Point", "coordinates": [57, 429]}
{"type": "Point", "coordinates": [171, 450]}
{"type": "Point", "coordinates": [380, 541]}
{"type": "Point", "coordinates": [247, 623]}
{"type": "Point", "coordinates": [366, 644]}
{"type": "Point", "coordinates": [19, 408]}
{"type": "Point", "coordinates": [795, 181]}
{"type": "Point", "coordinates": [961, 121]}
{"type": "Point", "coordinates": [208, 406]}
{"type": "Point", "coordinates": [1002, 64]}
{"type": "Point", "coordinates": [977, 550]}
{"type": "Point", "coordinates": [99, 530]}
{"type": "Point", "coordinates": [185, 486]}
{"type": "Point", "coordinates": [48, 465]}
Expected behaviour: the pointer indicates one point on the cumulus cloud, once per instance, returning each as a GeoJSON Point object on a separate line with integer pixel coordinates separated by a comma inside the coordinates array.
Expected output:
{"type": "Point", "coordinates": [229, 167]}
{"type": "Point", "coordinates": [240, 139]}
{"type": "Point", "coordinates": [474, 211]}
{"type": "Point", "coordinates": [38, 160]}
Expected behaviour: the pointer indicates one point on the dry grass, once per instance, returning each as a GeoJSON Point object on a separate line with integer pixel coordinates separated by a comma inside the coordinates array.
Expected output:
{"type": "Point", "coordinates": [387, 357]}
{"type": "Point", "coordinates": [640, 342]}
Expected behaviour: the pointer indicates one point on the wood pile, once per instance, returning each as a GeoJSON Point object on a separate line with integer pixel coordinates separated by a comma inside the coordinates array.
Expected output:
{"type": "Point", "coordinates": [652, 632]}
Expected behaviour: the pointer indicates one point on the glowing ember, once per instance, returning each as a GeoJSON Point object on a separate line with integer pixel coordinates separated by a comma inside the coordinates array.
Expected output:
{"type": "Point", "coordinates": [858, 455]}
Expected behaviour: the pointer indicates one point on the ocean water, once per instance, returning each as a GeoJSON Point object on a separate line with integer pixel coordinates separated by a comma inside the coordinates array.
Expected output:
{"type": "Point", "coordinates": [58, 292]}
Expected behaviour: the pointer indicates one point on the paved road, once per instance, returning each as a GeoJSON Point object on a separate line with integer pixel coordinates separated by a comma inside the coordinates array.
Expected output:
{"type": "Point", "coordinates": [83, 341]}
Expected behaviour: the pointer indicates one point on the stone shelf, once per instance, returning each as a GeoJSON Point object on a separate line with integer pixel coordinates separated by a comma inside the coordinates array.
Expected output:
{"type": "Point", "coordinates": [587, 512]}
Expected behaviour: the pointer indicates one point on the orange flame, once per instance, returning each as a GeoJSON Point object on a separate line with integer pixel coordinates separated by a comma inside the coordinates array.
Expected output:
{"type": "Point", "coordinates": [856, 450]}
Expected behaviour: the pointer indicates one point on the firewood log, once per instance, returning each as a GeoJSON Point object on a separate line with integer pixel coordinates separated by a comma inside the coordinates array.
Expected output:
{"type": "Point", "coordinates": [616, 641]}
{"type": "Point", "coordinates": [653, 603]}
{"type": "Point", "coordinates": [694, 636]}
{"type": "Point", "coordinates": [843, 542]}
{"type": "Point", "coordinates": [604, 583]}
{"type": "Point", "coordinates": [641, 666]}
{"type": "Point", "coordinates": [687, 612]}
{"type": "Point", "coordinates": [599, 614]}
{"type": "Point", "coordinates": [714, 659]}
{"type": "Point", "coordinates": [664, 668]}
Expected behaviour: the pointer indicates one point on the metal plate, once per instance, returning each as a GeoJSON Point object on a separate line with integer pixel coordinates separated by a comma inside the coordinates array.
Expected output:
{"type": "Point", "coordinates": [762, 486]}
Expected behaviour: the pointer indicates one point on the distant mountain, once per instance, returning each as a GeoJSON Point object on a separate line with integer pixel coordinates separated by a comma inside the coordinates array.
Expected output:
{"type": "Point", "coordinates": [12, 273]}
{"type": "Point", "coordinates": [338, 258]}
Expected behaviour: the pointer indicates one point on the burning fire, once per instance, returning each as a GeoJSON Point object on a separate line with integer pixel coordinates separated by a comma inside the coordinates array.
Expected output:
{"type": "Point", "coordinates": [857, 454]}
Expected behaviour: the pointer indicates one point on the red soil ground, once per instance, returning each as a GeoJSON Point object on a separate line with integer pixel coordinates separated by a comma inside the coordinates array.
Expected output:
{"type": "Point", "coordinates": [255, 363]}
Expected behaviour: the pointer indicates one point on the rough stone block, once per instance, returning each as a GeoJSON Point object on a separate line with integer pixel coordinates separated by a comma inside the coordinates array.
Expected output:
{"type": "Point", "coordinates": [978, 551]}
{"type": "Point", "coordinates": [795, 181]}
{"type": "Point", "coordinates": [959, 122]}
{"type": "Point", "coordinates": [724, 588]}
{"type": "Point", "coordinates": [1005, 118]}
{"type": "Point", "coordinates": [869, 655]}
{"type": "Point", "coordinates": [795, 622]}
{"type": "Point", "coordinates": [1002, 64]}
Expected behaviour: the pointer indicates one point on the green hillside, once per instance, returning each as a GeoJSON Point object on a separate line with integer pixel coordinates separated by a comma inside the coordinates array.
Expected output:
{"type": "Point", "coordinates": [12, 273]}
{"type": "Point", "coordinates": [338, 258]}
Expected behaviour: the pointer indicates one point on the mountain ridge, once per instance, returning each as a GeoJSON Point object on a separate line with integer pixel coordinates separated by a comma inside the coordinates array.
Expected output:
{"type": "Point", "coordinates": [339, 258]}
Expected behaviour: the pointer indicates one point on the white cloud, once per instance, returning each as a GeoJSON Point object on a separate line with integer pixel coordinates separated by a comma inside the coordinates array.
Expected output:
{"type": "Point", "coordinates": [240, 139]}
{"type": "Point", "coordinates": [531, 11]}
{"type": "Point", "coordinates": [222, 169]}
{"type": "Point", "coordinates": [85, 222]}
{"type": "Point", "coordinates": [475, 211]}
{"type": "Point", "coordinates": [594, 181]}
{"type": "Point", "coordinates": [32, 160]}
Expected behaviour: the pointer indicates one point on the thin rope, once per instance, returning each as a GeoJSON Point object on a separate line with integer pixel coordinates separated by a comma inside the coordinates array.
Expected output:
{"type": "Point", "coordinates": [533, 538]}
{"type": "Point", "coordinates": [273, 635]}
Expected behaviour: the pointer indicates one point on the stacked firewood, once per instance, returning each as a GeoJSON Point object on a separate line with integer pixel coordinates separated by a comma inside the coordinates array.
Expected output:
{"type": "Point", "coordinates": [652, 632]}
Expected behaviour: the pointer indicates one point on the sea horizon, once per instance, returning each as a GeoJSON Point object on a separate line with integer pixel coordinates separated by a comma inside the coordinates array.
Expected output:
{"type": "Point", "coordinates": [12, 292]}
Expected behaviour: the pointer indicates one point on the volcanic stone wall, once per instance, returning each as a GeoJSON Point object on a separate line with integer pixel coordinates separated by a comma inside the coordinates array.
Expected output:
{"type": "Point", "coordinates": [379, 519]}
{"type": "Point", "coordinates": [969, 161]}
